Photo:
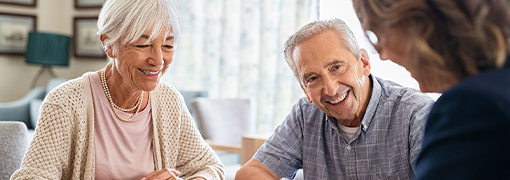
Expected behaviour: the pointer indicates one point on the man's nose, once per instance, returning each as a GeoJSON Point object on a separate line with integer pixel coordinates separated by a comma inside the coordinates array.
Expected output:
{"type": "Point", "coordinates": [330, 86]}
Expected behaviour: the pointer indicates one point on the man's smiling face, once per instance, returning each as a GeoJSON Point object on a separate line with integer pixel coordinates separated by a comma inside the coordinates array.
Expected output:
{"type": "Point", "coordinates": [331, 76]}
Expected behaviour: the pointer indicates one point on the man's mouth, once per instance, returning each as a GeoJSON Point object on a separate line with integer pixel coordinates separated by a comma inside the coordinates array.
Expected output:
{"type": "Point", "coordinates": [149, 72]}
{"type": "Point", "coordinates": [340, 98]}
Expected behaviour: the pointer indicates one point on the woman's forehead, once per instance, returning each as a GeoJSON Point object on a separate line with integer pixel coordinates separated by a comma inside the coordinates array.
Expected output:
{"type": "Point", "coordinates": [151, 36]}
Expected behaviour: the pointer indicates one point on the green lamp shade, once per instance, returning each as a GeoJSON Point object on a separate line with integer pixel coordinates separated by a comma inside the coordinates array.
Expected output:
{"type": "Point", "coordinates": [48, 49]}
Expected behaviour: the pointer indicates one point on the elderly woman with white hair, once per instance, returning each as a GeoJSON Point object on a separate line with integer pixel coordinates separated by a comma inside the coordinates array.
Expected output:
{"type": "Point", "coordinates": [121, 122]}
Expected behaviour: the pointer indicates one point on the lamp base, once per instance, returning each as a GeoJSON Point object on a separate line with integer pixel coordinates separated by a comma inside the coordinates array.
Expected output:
{"type": "Point", "coordinates": [41, 70]}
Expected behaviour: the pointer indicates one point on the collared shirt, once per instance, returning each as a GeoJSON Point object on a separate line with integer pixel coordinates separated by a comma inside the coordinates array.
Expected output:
{"type": "Point", "coordinates": [384, 147]}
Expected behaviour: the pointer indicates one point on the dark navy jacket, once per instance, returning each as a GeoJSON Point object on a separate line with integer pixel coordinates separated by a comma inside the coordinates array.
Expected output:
{"type": "Point", "coordinates": [467, 135]}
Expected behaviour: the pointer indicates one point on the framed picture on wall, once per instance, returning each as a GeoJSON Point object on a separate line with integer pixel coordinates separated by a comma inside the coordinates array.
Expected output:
{"type": "Point", "coordinates": [14, 29]}
{"type": "Point", "coordinates": [20, 2]}
{"type": "Point", "coordinates": [86, 43]}
{"type": "Point", "coordinates": [83, 4]}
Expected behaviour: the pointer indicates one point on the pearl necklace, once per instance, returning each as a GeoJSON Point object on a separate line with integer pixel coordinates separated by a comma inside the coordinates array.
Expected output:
{"type": "Point", "coordinates": [114, 106]}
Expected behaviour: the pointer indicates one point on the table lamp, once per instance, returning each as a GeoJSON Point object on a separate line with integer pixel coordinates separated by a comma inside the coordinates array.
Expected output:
{"type": "Point", "coordinates": [47, 49]}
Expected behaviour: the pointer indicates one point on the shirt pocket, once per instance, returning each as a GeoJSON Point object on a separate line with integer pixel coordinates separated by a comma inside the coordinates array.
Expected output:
{"type": "Point", "coordinates": [395, 167]}
{"type": "Point", "coordinates": [404, 174]}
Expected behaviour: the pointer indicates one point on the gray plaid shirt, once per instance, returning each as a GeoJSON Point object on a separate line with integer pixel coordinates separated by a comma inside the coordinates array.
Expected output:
{"type": "Point", "coordinates": [384, 147]}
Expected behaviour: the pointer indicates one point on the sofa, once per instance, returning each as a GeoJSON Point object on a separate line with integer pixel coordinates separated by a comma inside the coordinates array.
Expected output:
{"type": "Point", "coordinates": [26, 109]}
{"type": "Point", "coordinates": [13, 145]}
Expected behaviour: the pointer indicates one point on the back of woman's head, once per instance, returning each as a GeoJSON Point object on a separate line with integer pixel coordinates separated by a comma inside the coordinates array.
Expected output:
{"type": "Point", "coordinates": [124, 21]}
{"type": "Point", "coordinates": [448, 38]}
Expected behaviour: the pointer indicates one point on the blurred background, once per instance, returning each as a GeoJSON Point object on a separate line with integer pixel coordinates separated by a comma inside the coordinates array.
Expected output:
{"type": "Point", "coordinates": [228, 48]}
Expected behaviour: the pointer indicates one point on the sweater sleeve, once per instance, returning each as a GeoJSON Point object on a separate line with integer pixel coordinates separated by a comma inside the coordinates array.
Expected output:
{"type": "Point", "coordinates": [196, 158]}
{"type": "Point", "coordinates": [182, 145]}
{"type": "Point", "coordinates": [62, 147]}
{"type": "Point", "coordinates": [49, 153]}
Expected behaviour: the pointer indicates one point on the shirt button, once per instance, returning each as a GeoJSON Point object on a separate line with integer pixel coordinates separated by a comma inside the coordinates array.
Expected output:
{"type": "Point", "coordinates": [365, 127]}
{"type": "Point", "coordinates": [348, 148]}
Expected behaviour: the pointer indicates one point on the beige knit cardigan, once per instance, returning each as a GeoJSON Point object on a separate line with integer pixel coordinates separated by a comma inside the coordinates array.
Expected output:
{"type": "Point", "coordinates": [63, 146]}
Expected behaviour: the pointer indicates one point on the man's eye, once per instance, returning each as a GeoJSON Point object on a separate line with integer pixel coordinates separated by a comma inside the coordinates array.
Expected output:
{"type": "Point", "coordinates": [311, 79]}
{"type": "Point", "coordinates": [168, 46]}
{"type": "Point", "coordinates": [337, 67]}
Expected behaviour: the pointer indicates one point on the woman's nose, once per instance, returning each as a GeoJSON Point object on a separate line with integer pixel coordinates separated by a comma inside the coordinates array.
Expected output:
{"type": "Point", "coordinates": [156, 57]}
{"type": "Point", "coordinates": [383, 55]}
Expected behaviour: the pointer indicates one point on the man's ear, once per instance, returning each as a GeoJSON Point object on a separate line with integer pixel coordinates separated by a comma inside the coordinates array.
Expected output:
{"type": "Point", "coordinates": [106, 47]}
{"type": "Point", "coordinates": [365, 60]}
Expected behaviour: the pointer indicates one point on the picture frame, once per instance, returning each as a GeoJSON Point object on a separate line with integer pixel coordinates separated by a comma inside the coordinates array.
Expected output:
{"type": "Point", "coordinates": [14, 29]}
{"type": "Point", "coordinates": [86, 43]}
{"type": "Point", "coordinates": [29, 3]}
{"type": "Point", "coordinates": [87, 4]}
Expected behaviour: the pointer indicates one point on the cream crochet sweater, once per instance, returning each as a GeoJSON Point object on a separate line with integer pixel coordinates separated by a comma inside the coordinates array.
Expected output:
{"type": "Point", "coordinates": [63, 146]}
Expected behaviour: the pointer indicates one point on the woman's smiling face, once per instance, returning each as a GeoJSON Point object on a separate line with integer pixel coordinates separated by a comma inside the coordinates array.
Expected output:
{"type": "Point", "coordinates": [141, 64]}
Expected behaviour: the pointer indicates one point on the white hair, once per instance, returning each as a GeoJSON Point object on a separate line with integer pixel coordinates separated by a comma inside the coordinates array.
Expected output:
{"type": "Point", "coordinates": [125, 21]}
{"type": "Point", "coordinates": [316, 27]}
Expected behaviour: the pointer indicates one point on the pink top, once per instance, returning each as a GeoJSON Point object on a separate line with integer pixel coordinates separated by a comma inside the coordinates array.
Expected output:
{"type": "Point", "coordinates": [123, 149]}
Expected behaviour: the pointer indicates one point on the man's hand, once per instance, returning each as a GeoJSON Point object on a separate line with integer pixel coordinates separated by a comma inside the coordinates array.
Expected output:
{"type": "Point", "coordinates": [253, 169]}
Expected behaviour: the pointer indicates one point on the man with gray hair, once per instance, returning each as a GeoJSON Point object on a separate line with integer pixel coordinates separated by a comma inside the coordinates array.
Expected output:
{"type": "Point", "coordinates": [350, 125]}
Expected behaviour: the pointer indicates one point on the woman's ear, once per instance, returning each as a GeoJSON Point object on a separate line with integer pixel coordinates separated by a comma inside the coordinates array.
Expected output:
{"type": "Point", "coordinates": [106, 47]}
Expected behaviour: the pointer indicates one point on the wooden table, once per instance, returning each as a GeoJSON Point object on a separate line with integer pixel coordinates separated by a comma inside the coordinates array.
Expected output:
{"type": "Point", "coordinates": [250, 144]}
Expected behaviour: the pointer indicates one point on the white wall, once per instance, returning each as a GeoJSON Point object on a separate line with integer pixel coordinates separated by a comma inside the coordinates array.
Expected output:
{"type": "Point", "coordinates": [54, 16]}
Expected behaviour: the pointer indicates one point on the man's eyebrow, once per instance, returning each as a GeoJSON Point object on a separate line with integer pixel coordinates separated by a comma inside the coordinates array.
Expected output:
{"type": "Point", "coordinates": [333, 63]}
{"type": "Point", "coordinates": [169, 38]}
{"type": "Point", "coordinates": [307, 75]}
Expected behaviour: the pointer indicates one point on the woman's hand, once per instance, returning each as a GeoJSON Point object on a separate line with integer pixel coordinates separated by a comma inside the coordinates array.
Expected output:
{"type": "Point", "coordinates": [164, 174]}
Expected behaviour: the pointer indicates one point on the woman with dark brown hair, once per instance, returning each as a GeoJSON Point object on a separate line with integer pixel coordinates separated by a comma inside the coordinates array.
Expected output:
{"type": "Point", "coordinates": [458, 48]}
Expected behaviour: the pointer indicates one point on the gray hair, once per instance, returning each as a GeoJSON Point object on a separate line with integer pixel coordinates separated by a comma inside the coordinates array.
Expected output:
{"type": "Point", "coordinates": [314, 28]}
{"type": "Point", "coordinates": [125, 21]}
